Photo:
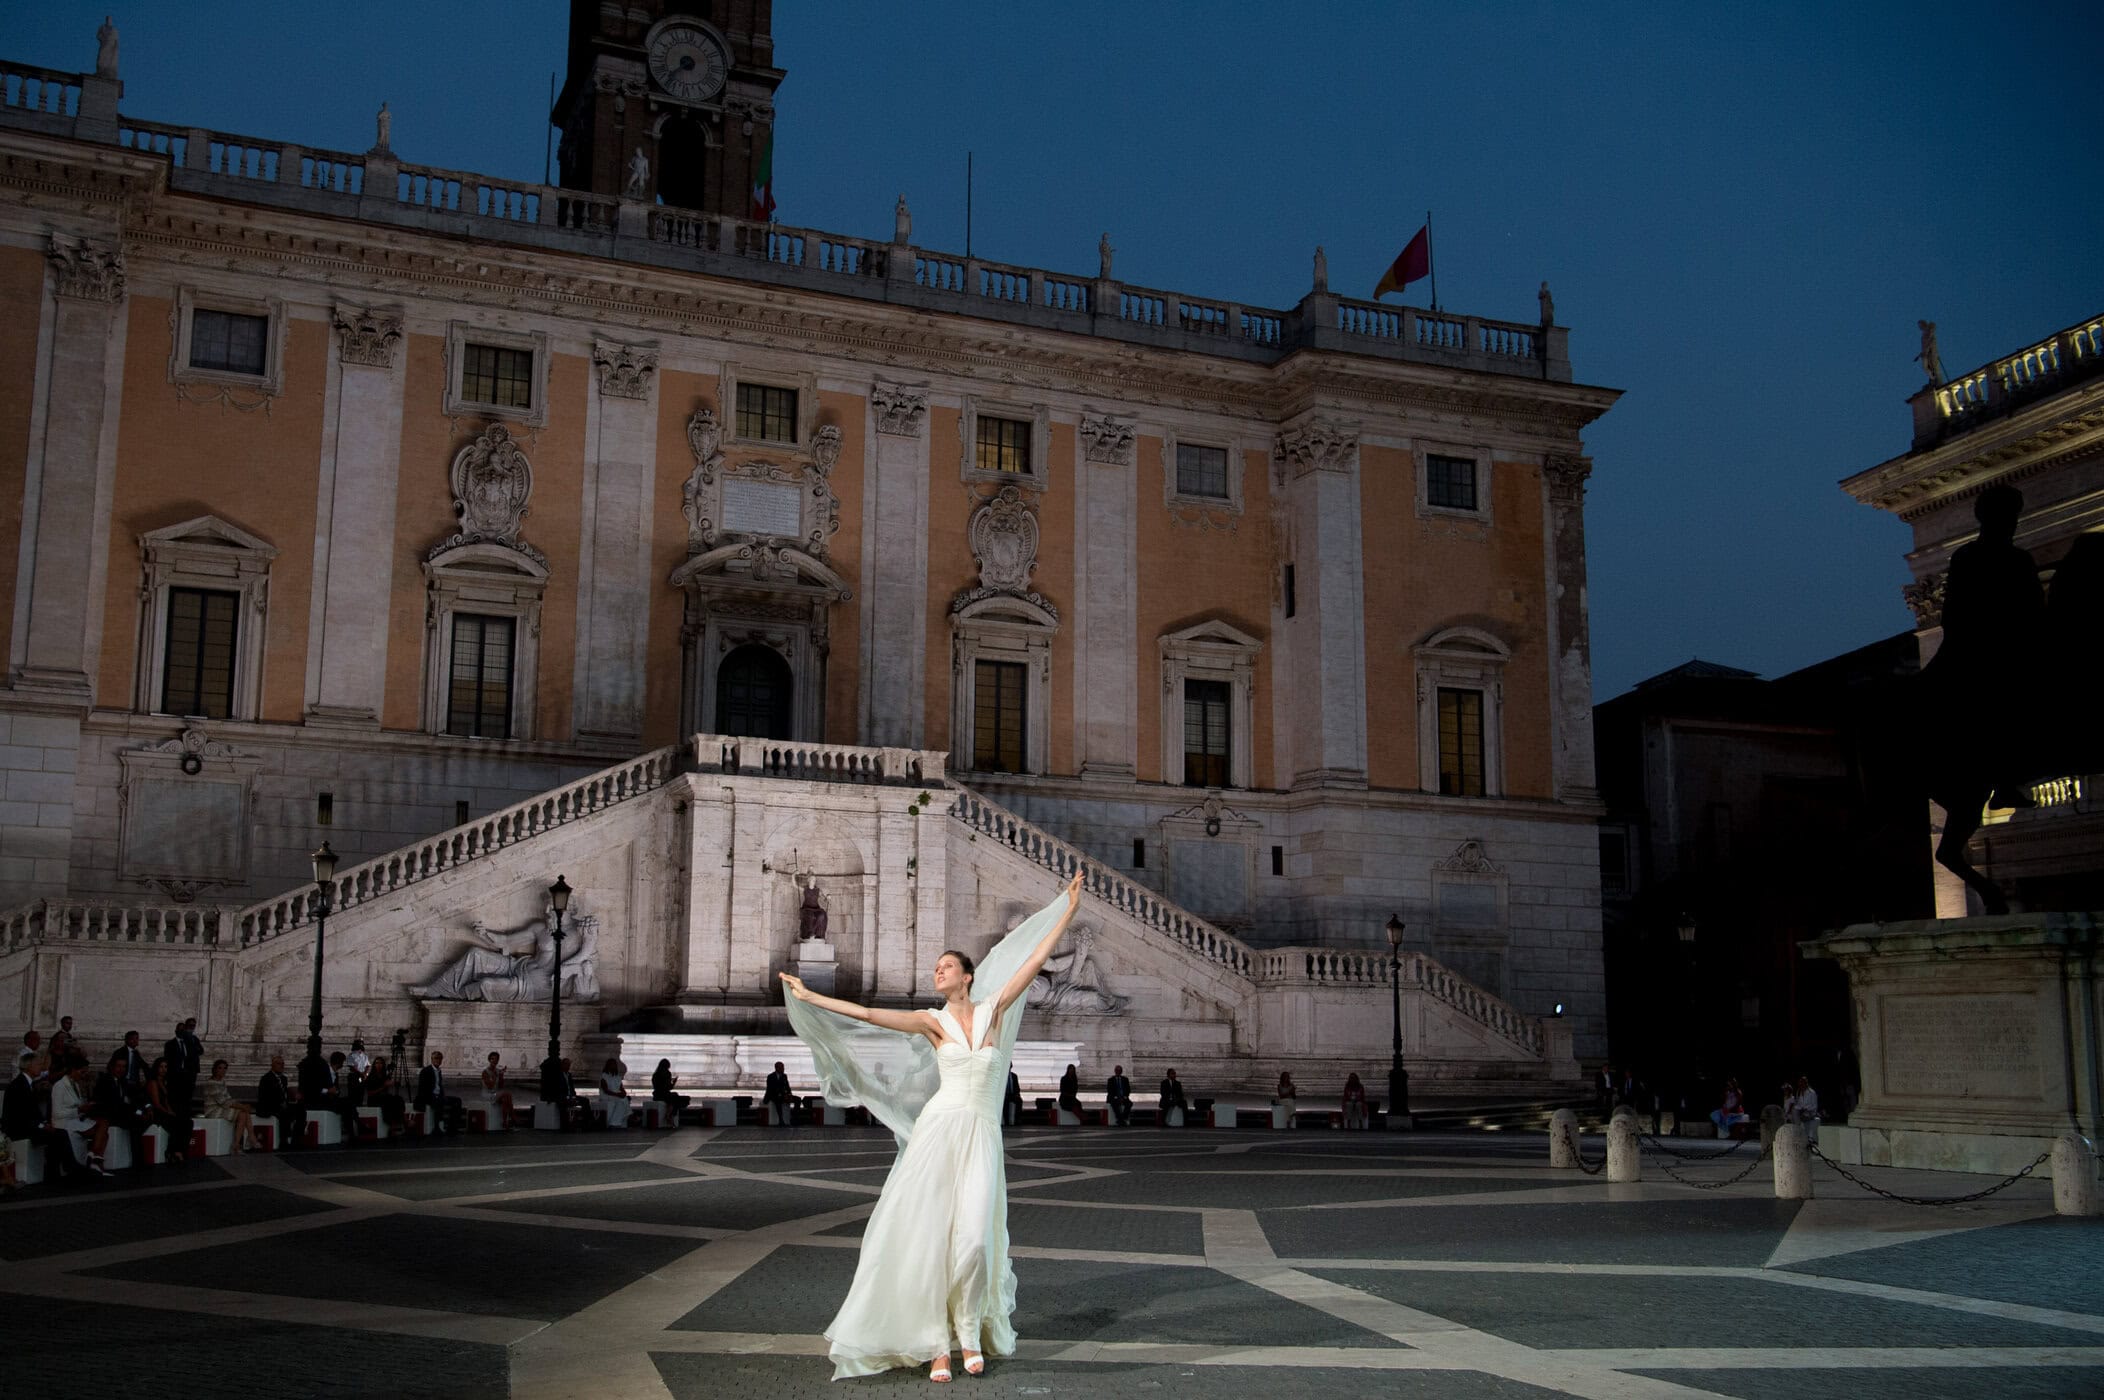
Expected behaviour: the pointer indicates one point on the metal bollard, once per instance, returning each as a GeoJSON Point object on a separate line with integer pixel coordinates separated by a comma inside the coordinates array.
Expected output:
{"type": "Point", "coordinates": [1771, 1119]}
{"type": "Point", "coordinates": [1563, 1138]}
{"type": "Point", "coordinates": [1793, 1164]}
{"type": "Point", "coordinates": [1624, 1163]}
{"type": "Point", "coordinates": [2074, 1176]}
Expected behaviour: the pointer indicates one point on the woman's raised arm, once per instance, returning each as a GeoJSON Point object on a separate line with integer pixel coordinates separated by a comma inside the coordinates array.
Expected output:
{"type": "Point", "coordinates": [905, 1022]}
{"type": "Point", "coordinates": [1035, 963]}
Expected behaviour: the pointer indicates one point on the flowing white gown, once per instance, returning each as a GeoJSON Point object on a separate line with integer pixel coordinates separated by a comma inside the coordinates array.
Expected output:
{"type": "Point", "coordinates": [934, 1275]}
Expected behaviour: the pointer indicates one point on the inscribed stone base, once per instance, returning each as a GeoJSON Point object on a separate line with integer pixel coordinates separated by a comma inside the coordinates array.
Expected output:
{"type": "Point", "coordinates": [466, 1031]}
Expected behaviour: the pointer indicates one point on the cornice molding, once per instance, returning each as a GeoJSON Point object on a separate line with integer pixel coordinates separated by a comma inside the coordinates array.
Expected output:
{"type": "Point", "coordinates": [1911, 485]}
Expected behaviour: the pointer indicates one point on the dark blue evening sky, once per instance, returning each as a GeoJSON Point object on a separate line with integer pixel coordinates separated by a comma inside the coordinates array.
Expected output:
{"type": "Point", "coordinates": [1742, 210]}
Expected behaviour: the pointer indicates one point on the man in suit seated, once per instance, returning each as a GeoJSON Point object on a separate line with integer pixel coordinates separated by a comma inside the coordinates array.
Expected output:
{"type": "Point", "coordinates": [558, 1088]}
{"type": "Point", "coordinates": [321, 1092]}
{"type": "Point", "coordinates": [431, 1096]}
{"type": "Point", "coordinates": [25, 1116]}
{"type": "Point", "coordinates": [1172, 1096]}
{"type": "Point", "coordinates": [1117, 1091]}
{"type": "Point", "coordinates": [778, 1098]}
{"type": "Point", "coordinates": [276, 1098]}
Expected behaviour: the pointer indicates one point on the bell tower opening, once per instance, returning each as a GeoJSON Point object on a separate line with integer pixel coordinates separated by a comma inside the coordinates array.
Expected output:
{"type": "Point", "coordinates": [668, 100]}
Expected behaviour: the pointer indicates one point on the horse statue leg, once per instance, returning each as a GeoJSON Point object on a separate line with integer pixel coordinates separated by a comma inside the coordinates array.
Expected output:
{"type": "Point", "coordinates": [1963, 812]}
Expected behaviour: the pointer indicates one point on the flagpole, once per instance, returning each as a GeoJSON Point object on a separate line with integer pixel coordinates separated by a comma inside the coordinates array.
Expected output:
{"type": "Point", "coordinates": [1431, 265]}
{"type": "Point", "coordinates": [967, 204]}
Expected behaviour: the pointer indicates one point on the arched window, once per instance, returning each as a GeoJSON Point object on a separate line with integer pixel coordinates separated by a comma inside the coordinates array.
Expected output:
{"type": "Point", "coordinates": [683, 163]}
{"type": "Point", "coordinates": [755, 693]}
{"type": "Point", "coordinates": [1460, 712]}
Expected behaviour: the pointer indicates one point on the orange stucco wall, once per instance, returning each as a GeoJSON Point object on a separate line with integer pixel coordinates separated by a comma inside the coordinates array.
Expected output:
{"type": "Point", "coordinates": [1423, 575]}
{"type": "Point", "coordinates": [177, 459]}
{"type": "Point", "coordinates": [21, 307]}
{"type": "Point", "coordinates": [1188, 574]}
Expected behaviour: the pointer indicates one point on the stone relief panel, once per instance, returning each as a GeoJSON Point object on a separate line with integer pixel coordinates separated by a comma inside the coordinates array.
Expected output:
{"type": "Point", "coordinates": [187, 808]}
{"type": "Point", "coordinates": [492, 481]}
{"type": "Point", "coordinates": [760, 500]}
{"type": "Point", "coordinates": [522, 965]}
{"type": "Point", "coordinates": [1072, 983]}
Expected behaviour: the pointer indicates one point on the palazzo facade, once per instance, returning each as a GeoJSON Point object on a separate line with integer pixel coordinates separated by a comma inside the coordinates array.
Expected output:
{"type": "Point", "coordinates": [347, 498]}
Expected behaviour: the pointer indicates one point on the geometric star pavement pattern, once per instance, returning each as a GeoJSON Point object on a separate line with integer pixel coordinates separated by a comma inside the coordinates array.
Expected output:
{"type": "Point", "coordinates": [700, 1263]}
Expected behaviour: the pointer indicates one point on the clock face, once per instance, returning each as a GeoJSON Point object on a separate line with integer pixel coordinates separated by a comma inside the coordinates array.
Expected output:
{"type": "Point", "coordinates": [687, 62]}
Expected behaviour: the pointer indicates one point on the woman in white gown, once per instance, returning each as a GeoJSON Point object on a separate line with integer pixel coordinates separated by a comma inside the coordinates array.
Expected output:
{"type": "Point", "coordinates": [934, 1263]}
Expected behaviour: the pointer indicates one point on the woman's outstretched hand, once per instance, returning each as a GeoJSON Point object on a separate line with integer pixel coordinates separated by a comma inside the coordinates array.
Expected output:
{"type": "Point", "coordinates": [1074, 891]}
{"type": "Point", "coordinates": [796, 986]}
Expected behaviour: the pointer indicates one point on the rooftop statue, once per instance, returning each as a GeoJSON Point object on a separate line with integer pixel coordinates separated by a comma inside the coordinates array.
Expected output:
{"type": "Point", "coordinates": [1931, 362]}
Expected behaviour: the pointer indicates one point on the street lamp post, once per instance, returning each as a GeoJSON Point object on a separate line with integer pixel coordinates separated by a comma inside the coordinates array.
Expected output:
{"type": "Point", "coordinates": [1398, 1077]}
{"type": "Point", "coordinates": [551, 1071]}
{"type": "Point", "coordinates": [324, 876]}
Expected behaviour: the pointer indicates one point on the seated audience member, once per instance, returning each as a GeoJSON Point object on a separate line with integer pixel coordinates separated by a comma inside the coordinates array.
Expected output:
{"type": "Point", "coordinates": [1012, 1102]}
{"type": "Point", "coordinates": [558, 1088]}
{"type": "Point", "coordinates": [779, 1099]}
{"type": "Point", "coordinates": [135, 1064]}
{"type": "Point", "coordinates": [381, 1092]}
{"type": "Point", "coordinates": [1172, 1095]}
{"type": "Point", "coordinates": [495, 1095]}
{"type": "Point", "coordinates": [166, 1113]}
{"type": "Point", "coordinates": [661, 1081]}
{"type": "Point", "coordinates": [276, 1098]}
{"type": "Point", "coordinates": [1802, 1108]}
{"type": "Point", "coordinates": [613, 1093]}
{"type": "Point", "coordinates": [113, 1104]}
{"type": "Point", "coordinates": [1354, 1102]}
{"type": "Point", "coordinates": [349, 1094]}
{"type": "Point", "coordinates": [1070, 1090]}
{"type": "Point", "coordinates": [220, 1103]}
{"type": "Point", "coordinates": [1117, 1094]}
{"type": "Point", "coordinates": [443, 1108]}
{"type": "Point", "coordinates": [26, 1116]}
{"type": "Point", "coordinates": [1732, 1111]}
{"type": "Point", "coordinates": [72, 1114]}
{"type": "Point", "coordinates": [1286, 1093]}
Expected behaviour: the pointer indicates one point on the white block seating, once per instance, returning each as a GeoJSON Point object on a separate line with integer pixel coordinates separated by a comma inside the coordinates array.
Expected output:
{"type": "Point", "coordinates": [547, 1117]}
{"type": "Point", "coordinates": [371, 1124]}
{"type": "Point", "coordinates": [720, 1113]}
{"type": "Point", "coordinates": [415, 1120]}
{"type": "Point", "coordinates": [117, 1152]}
{"type": "Point", "coordinates": [616, 1109]}
{"type": "Point", "coordinates": [831, 1114]}
{"type": "Point", "coordinates": [653, 1111]}
{"type": "Point", "coordinates": [268, 1132]}
{"type": "Point", "coordinates": [29, 1161]}
{"type": "Point", "coordinates": [479, 1116]}
{"type": "Point", "coordinates": [1281, 1116]}
{"type": "Point", "coordinates": [324, 1130]}
{"type": "Point", "coordinates": [155, 1142]}
{"type": "Point", "coordinates": [1173, 1118]}
{"type": "Point", "coordinates": [211, 1137]}
{"type": "Point", "coordinates": [1065, 1118]}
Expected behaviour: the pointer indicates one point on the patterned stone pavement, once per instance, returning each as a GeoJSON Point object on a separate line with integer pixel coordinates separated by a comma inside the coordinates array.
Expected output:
{"type": "Point", "coordinates": [704, 1263]}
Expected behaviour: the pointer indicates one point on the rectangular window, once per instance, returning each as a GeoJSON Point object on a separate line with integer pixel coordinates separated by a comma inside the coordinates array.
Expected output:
{"type": "Point", "coordinates": [478, 689]}
{"type": "Point", "coordinates": [1201, 471]}
{"type": "Point", "coordinates": [324, 809]}
{"type": "Point", "coordinates": [497, 374]}
{"type": "Point", "coordinates": [998, 719]}
{"type": "Point", "coordinates": [1461, 743]}
{"type": "Point", "coordinates": [197, 670]}
{"type": "Point", "coordinates": [1003, 446]}
{"type": "Point", "coordinates": [1450, 482]}
{"type": "Point", "coordinates": [1288, 590]}
{"type": "Point", "coordinates": [1278, 860]}
{"type": "Point", "coordinates": [460, 812]}
{"type": "Point", "coordinates": [1614, 862]}
{"type": "Point", "coordinates": [1139, 853]}
{"type": "Point", "coordinates": [766, 413]}
{"type": "Point", "coordinates": [225, 340]}
{"type": "Point", "coordinates": [1205, 733]}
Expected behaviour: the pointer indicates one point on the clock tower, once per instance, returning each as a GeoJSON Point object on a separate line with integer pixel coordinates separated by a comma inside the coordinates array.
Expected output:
{"type": "Point", "coordinates": [668, 101]}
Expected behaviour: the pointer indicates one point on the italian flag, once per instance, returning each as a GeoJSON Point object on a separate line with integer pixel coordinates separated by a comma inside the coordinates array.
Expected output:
{"type": "Point", "coordinates": [763, 185]}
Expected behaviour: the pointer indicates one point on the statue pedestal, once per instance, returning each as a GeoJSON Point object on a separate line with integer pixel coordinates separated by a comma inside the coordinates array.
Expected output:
{"type": "Point", "coordinates": [816, 964]}
{"type": "Point", "coordinates": [466, 1031]}
{"type": "Point", "coordinates": [1967, 1031]}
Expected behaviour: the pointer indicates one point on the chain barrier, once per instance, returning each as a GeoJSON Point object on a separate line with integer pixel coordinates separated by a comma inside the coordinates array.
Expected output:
{"type": "Point", "coordinates": [1570, 1137]}
{"type": "Point", "coordinates": [2004, 1184]}
{"type": "Point", "coordinates": [1734, 1179]}
{"type": "Point", "coordinates": [1658, 1144]}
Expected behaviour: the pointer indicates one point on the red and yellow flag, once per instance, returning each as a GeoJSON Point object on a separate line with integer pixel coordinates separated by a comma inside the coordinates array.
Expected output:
{"type": "Point", "coordinates": [1413, 262]}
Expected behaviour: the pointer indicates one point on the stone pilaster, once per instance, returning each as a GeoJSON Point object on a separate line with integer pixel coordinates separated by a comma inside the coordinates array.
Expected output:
{"type": "Point", "coordinates": [614, 578]}
{"type": "Point", "coordinates": [1317, 466]}
{"type": "Point", "coordinates": [64, 552]}
{"type": "Point", "coordinates": [1106, 640]}
{"type": "Point", "coordinates": [894, 615]}
{"type": "Point", "coordinates": [354, 537]}
{"type": "Point", "coordinates": [1571, 646]}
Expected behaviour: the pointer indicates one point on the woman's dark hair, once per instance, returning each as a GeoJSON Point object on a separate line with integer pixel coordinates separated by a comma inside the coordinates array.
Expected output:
{"type": "Point", "coordinates": [964, 960]}
{"type": "Point", "coordinates": [153, 1071]}
{"type": "Point", "coordinates": [218, 1065]}
{"type": "Point", "coordinates": [664, 1064]}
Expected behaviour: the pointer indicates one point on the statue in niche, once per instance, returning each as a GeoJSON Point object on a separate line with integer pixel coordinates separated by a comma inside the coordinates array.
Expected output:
{"type": "Point", "coordinates": [811, 915]}
{"type": "Point", "coordinates": [638, 175]}
{"type": "Point", "coordinates": [383, 128]}
{"type": "Point", "coordinates": [520, 965]}
{"type": "Point", "coordinates": [1931, 361]}
{"type": "Point", "coordinates": [1068, 985]}
{"type": "Point", "coordinates": [106, 49]}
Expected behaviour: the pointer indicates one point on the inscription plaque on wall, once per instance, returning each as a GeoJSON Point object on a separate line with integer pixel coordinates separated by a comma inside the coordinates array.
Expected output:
{"type": "Point", "coordinates": [1210, 878]}
{"type": "Point", "coordinates": [192, 828]}
{"type": "Point", "coordinates": [1963, 1046]}
{"type": "Point", "coordinates": [762, 508]}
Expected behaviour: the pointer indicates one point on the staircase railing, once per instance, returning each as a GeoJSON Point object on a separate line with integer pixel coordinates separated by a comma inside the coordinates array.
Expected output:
{"type": "Point", "coordinates": [1333, 967]}
{"type": "Point", "coordinates": [1129, 897]}
{"type": "Point", "coordinates": [100, 921]}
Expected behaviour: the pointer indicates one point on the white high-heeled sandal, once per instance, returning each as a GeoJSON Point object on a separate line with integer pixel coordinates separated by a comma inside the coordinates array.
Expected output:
{"type": "Point", "coordinates": [939, 1368]}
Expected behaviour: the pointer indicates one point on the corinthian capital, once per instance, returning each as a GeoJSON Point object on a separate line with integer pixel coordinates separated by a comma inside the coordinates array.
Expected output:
{"type": "Point", "coordinates": [1566, 477]}
{"type": "Point", "coordinates": [624, 371]}
{"type": "Point", "coordinates": [367, 337]}
{"type": "Point", "coordinates": [1320, 446]}
{"type": "Point", "coordinates": [1107, 439]}
{"type": "Point", "coordinates": [899, 409]}
{"type": "Point", "coordinates": [87, 268]}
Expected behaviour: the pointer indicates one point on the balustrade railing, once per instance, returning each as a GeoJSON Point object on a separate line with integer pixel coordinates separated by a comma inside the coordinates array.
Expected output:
{"type": "Point", "coordinates": [817, 763]}
{"type": "Point", "coordinates": [326, 170]}
{"type": "Point", "coordinates": [169, 141]}
{"type": "Point", "coordinates": [1342, 967]}
{"type": "Point", "coordinates": [30, 89]}
{"type": "Point", "coordinates": [2074, 354]}
{"type": "Point", "coordinates": [1136, 901]}
{"type": "Point", "coordinates": [99, 921]}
